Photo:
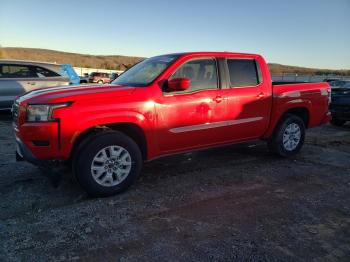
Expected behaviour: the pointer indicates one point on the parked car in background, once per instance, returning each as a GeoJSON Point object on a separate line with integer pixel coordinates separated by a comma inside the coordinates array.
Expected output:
{"type": "Point", "coordinates": [334, 83]}
{"type": "Point", "coordinates": [328, 80]}
{"type": "Point", "coordinates": [18, 77]}
{"type": "Point", "coordinates": [84, 79]}
{"type": "Point", "coordinates": [100, 78]}
{"type": "Point", "coordinates": [340, 102]}
{"type": "Point", "coordinates": [114, 76]}
{"type": "Point", "coordinates": [164, 105]}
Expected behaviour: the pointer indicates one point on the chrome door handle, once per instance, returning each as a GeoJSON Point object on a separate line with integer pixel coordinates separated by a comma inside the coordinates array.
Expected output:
{"type": "Point", "coordinates": [261, 95]}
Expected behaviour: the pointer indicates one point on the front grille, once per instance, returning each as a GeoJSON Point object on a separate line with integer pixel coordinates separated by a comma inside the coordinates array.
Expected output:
{"type": "Point", "coordinates": [15, 111]}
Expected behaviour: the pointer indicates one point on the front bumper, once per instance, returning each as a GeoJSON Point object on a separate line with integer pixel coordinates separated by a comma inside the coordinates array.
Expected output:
{"type": "Point", "coordinates": [42, 140]}
{"type": "Point", "coordinates": [23, 153]}
{"type": "Point", "coordinates": [49, 168]}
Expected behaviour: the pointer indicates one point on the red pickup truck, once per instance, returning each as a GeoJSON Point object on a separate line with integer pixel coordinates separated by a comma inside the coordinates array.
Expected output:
{"type": "Point", "coordinates": [164, 105]}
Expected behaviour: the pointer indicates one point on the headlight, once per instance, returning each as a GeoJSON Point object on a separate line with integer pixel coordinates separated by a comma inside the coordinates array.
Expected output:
{"type": "Point", "coordinates": [42, 113]}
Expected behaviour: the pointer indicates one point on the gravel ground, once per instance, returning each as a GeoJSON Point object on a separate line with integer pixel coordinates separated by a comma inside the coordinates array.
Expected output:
{"type": "Point", "coordinates": [236, 203]}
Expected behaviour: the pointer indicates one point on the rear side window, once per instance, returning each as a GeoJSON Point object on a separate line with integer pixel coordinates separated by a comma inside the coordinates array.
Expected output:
{"type": "Point", "coordinates": [243, 72]}
{"type": "Point", "coordinates": [43, 72]}
{"type": "Point", "coordinates": [16, 71]}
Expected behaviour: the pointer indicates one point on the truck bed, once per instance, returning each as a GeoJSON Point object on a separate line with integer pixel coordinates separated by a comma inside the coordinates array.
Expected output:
{"type": "Point", "coordinates": [304, 87]}
{"type": "Point", "coordinates": [312, 96]}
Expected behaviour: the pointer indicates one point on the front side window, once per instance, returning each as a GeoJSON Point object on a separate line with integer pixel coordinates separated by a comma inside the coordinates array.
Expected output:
{"type": "Point", "coordinates": [243, 72]}
{"type": "Point", "coordinates": [202, 74]}
{"type": "Point", "coordinates": [16, 71]}
{"type": "Point", "coordinates": [145, 72]}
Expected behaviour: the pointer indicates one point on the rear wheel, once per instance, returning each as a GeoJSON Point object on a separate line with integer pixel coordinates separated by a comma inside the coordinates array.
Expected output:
{"type": "Point", "coordinates": [288, 137]}
{"type": "Point", "coordinates": [337, 122]}
{"type": "Point", "coordinates": [108, 164]}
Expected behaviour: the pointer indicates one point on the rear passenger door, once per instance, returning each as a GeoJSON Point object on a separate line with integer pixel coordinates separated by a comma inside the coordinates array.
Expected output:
{"type": "Point", "coordinates": [248, 99]}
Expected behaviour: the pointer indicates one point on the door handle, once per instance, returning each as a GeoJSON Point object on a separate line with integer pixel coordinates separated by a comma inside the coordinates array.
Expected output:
{"type": "Point", "coordinates": [217, 99]}
{"type": "Point", "coordinates": [31, 83]}
{"type": "Point", "coordinates": [261, 95]}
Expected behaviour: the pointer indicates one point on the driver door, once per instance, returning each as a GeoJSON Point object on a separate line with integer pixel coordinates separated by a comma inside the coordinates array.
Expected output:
{"type": "Point", "coordinates": [186, 119]}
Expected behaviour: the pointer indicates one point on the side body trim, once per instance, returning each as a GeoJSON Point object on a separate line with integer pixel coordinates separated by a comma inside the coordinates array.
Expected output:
{"type": "Point", "coordinates": [214, 125]}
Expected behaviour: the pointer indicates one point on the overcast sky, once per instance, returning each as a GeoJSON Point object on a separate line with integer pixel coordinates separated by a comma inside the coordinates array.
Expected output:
{"type": "Point", "coordinates": [312, 33]}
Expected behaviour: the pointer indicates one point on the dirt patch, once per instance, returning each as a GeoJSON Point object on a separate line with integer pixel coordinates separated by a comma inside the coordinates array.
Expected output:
{"type": "Point", "coordinates": [236, 203]}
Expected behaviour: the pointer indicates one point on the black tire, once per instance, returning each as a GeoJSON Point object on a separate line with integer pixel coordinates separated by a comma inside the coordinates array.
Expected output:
{"type": "Point", "coordinates": [337, 122]}
{"type": "Point", "coordinates": [84, 158]}
{"type": "Point", "coordinates": [276, 144]}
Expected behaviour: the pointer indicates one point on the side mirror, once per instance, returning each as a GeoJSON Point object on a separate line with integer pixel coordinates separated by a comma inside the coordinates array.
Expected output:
{"type": "Point", "coordinates": [178, 84]}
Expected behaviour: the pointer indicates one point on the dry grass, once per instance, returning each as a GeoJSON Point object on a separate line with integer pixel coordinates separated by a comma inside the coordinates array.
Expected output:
{"type": "Point", "coordinates": [79, 60]}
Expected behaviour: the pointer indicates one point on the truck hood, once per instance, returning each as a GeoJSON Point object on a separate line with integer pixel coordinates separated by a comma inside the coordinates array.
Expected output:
{"type": "Point", "coordinates": [65, 93]}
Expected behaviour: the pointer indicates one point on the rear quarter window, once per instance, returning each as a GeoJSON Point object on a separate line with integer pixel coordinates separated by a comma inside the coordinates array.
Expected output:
{"type": "Point", "coordinates": [243, 72]}
{"type": "Point", "coordinates": [43, 72]}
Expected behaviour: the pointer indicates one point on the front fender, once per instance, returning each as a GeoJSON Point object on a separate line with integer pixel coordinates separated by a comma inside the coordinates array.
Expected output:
{"type": "Point", "coordinates": [70, 132]}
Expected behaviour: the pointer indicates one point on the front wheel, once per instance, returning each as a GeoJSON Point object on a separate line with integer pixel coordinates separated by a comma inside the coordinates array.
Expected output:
{"type": "Point", "coordinates": [288, 137]}
{"type": "Point", "coordinates": [108, 164]}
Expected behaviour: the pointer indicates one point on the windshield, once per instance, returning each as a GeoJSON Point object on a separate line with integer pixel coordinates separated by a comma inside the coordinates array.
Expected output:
{"type": "Point", "coordinates": [339, 84]}
{"type": "Point", "coordinates": [145, 72]}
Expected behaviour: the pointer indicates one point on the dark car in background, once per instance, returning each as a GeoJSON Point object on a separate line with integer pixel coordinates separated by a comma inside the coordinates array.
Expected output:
{"type": "Point", "coordinates": [113, 76]}
{"type": "Point", "coordinates": [340, 105]}
{"type": "Point", "coordinates": [84, 79]}
{"type": "Point", "coordinates": [99, 77]}
{"type": "Point", "coordinates": [18, 77]}
{"type": "Point", "coordinates": [331, 80]}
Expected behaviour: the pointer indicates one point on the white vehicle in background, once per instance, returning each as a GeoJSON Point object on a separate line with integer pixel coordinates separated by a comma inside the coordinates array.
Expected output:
{"type": "Point", "coordinates": [18, 77]}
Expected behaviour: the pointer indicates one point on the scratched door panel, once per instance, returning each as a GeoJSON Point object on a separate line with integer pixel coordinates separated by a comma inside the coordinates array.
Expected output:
{"type": "Point", "coordinates": [188, 120]}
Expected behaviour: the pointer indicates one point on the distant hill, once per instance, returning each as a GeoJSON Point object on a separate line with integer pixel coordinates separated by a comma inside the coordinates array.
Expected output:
{"type": "Point", "coordinates": [123, 62]}
{"type": "Point", "coordinates": [115, 62]}
{"type": "Point", "coordinates": [277, 69]}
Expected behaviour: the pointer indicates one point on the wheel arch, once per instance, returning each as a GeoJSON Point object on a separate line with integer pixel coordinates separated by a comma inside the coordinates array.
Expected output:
{"type": "Point", "coordinates": [132, 130]}
{"type": "Point", "coordinates": [301, 111]}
